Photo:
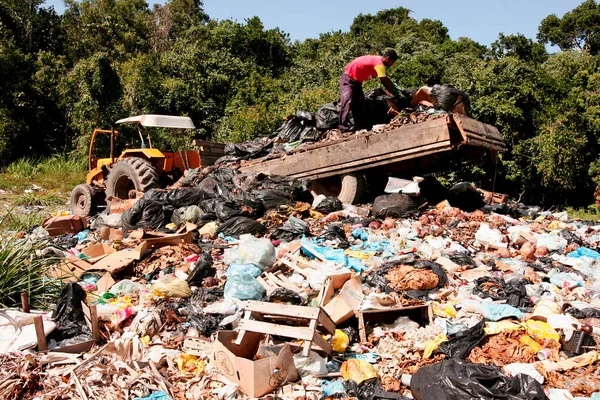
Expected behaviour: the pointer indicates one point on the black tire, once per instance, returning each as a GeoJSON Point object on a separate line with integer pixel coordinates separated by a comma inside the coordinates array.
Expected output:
{"type": "Point", "coordinates": [128, 174]}
{"type": "Point", "coordinates": [353, 188]}
{"type": "Point", "coordinates": [83, 201]}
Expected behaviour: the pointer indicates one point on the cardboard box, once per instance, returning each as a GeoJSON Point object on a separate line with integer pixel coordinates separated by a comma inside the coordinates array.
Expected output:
{"type": "Point", "coordinates": [255, 378]}
{"type": "Point", "coordinates": [342, 306]}
{"type": "Point", "coordinates": [97, 251]}
{"type": "Point", "coordinates": [66, 224]}
{"type": "Point", "coordinates": [367, 319]}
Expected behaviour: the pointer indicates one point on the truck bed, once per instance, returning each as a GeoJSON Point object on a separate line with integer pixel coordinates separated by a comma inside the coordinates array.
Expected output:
{"type": "Point", "coordinates": [453, 135]}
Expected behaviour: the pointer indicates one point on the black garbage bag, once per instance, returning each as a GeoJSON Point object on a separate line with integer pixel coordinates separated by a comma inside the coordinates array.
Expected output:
{"type": "Point", "coordinates": [329, 204]}
{"type": "Point", "coordinates": [466, 197]}
{"type": "Point", "coordinates": [460, 344]}
{"type": "Point", "coordinates": [293, 229]}
{"type": "Point", "coordinates": [462, 259]}
{"type": "Point", "coordinates": [589, 312]}
{"type": "Point", "coordinates": [493, 288]}
{"type": "Point", "coordinates": [146, 214]}
{"type": "Point", "coordinates": [396, 205]}
{"type": "Point", "coordinates": [186, 196]}
{"type": "Point", "coordinates": [223, 175]}
{"type": "Point", "coordinates": [376, 277]}
{"type": "Point", "coordinates": [271, 198]}
{"type": "Point", "coordinates": [335, 233]}
{"type": "Point", "coordinates": [70, 319]}
{"type": "Point", "coordinates": [225, 210]}
{"type": "Point", "coordinates": [328, 116]}
{"type": "Point", "coordinates": [206, 324]}
{"type": "Point", "coordinates": [432, 190]}
{"type": "Point", "coordinates": [240, 225]}
{"type": "Point", "coordinates": [370, 389]}
{"type": "Point", "coordinates": [292, 188]}
{"type": "Point", "coordinates": [448, 98]}
{"type": "Point", "coordinates": [203, 269]}
{"type": "Point", "coordinates": [455, 379]}
{"type": "Point", "coordinates": [516, 294]}
{"type": "Point", "coordinates": [298, 127]}
{"type": "Point", "coordinates": [283, 295]}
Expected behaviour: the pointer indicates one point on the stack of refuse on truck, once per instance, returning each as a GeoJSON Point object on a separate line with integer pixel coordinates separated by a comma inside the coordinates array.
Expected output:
{"type": "Point", "coordinates": [384, 113]}
{"type": "Point", "coordinates": [235, 286]}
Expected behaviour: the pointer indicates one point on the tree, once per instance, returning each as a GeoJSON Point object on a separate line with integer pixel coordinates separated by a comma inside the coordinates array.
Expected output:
{"type": "Point", "coordinates": [578, 29]}
{"type": "Point", "coordinates": [519, 46]}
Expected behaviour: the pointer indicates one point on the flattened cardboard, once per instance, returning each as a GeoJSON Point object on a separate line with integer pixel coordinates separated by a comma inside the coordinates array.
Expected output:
{"type": "Point", "coordinates": [255, 378]}
{"type": "Point", "coordinates": [65, 224]}
{"type": "Point", "coordinates": [119, 206]}
{"type": "Point", "coordinates": [105, 283]}
{"type": "Point", "coordinates": [117, 262]}
{"type": "Point", "coordinates": [342, 307]}
{"type": "Point", "coordinates": [70, 269]}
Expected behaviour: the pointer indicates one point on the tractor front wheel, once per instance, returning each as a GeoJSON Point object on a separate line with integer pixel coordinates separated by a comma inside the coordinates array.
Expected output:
{"type": "Point", "coordinates": [82, 200]}
{"type": "Point", "coordinates": [132, 173]}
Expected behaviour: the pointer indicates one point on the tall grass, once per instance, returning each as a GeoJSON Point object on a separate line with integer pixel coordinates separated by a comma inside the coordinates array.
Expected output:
{"type": "Point", "coordinates": [21, 221]}
{"type": "Point", "coordinates": [59, 172]}
{"type": "Point", "coordinates": [23, 270]}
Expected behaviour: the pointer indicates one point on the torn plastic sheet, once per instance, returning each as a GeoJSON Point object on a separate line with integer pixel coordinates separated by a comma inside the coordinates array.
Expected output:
{"type": "Point", "coordinates": [313, 250]}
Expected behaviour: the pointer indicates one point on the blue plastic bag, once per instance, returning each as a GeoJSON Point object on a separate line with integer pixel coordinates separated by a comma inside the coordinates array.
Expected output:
{"type": "Point", "coordinates": [496, 312]}
{"type": "Point", "coordinates": [243, 287]}
{"type": "Point", "coordinates": [584, 252]}
{"type": "Point", "coordinates": [160, 395]}
{"type": "Point", "coordinates": [338, 256]}
{"type": "Point", "coordinates": [239, 269]}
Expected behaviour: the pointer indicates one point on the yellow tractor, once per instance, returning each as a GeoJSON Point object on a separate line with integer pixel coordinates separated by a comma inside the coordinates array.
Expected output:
{"type": "Point", "coordinates": [137, 170]}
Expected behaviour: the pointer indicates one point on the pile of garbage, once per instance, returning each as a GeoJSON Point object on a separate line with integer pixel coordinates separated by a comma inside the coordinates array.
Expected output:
{"type": "Point", "coordinates": [231, 285]}
{"type": "Point", "coordinates": [384, 112]}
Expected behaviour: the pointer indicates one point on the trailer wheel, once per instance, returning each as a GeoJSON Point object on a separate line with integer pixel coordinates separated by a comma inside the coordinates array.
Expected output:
{"type": "Point", "coordinates": [83, 200]}
{"type": "Point", "coordinates": [132, 173]}
{"type": "Point", "coordinates": [353, 188]}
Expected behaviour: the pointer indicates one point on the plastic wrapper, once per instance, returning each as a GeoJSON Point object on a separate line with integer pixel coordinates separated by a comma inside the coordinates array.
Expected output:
{"type": "Point", "coordinates": [237, 226]}
{"type": "Point", "coordinates": [357, 370]}
{"type": "Point", "coordinates": [125, 287]}
{"type": "Point", "coordinates": [243, 287]}
{"type": "Point", "coordinates": [455, 379]}
{"type": "Point", "coordinates": [313, 365]}
{"type": "Point", "coordinates": [396, 205]}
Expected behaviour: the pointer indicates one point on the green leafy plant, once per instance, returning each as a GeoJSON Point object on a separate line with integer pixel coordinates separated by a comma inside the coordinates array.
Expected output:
{"type": "Point", "coordinates": [24, 270]}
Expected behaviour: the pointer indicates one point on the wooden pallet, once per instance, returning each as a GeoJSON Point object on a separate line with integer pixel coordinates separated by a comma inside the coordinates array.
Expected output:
{"type": "Point", "coordinates": [297, 322]}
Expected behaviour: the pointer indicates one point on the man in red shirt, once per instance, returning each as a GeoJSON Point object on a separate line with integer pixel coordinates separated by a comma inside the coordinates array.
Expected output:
{"type": "Point", "coordinates": [352, 96]}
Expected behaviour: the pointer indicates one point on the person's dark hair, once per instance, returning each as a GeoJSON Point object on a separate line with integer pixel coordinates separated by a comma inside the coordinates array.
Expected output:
{"type": "Point", "coordinates": [391, 54]}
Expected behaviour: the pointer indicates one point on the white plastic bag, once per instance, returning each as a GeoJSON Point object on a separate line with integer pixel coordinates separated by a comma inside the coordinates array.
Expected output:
{"type": "Point", "coordinates": [259, 252]}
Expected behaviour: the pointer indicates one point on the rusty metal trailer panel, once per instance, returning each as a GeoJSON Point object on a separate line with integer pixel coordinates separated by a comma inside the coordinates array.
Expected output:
{"type": "Point", "coordinates": [448, 134]}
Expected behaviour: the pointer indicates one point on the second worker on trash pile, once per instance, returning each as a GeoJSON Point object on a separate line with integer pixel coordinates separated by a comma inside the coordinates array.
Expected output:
{"type": "Point", "coordinates": [352, 97]}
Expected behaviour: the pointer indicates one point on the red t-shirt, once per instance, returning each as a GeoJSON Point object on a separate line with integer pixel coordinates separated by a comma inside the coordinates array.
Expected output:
{"type": "Point", "coordinates": [366, 67]}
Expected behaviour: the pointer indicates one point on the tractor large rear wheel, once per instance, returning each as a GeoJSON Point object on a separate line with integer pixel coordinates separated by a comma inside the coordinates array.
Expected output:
{"type": "Point", "coordinates": [132, 173]}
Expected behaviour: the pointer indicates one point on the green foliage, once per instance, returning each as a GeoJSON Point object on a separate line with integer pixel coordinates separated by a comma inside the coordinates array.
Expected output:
{"type": "Point", "coordinates": [22, 271]}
